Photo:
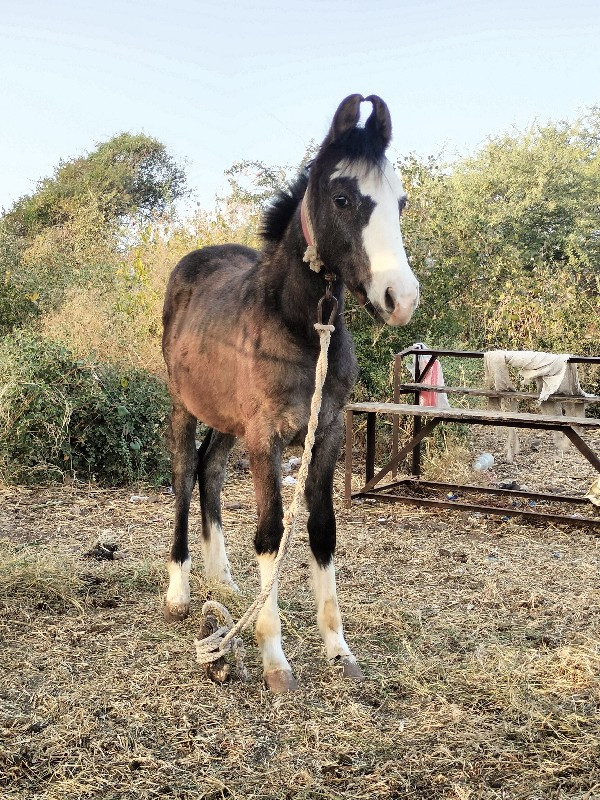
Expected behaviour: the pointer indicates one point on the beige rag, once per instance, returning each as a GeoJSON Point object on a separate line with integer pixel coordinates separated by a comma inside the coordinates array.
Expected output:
{"type": "Point", "coordinates": [593, 494]}
{"type": "Point", "coordinates": [550, 368]}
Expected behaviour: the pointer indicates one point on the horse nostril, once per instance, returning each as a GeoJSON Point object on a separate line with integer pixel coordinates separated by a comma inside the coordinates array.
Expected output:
{"type": "Point", "coordinates": [390, 299]}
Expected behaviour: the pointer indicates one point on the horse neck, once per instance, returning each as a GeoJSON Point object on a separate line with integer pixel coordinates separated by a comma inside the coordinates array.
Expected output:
{"type": "Point", "coordinates": [293, 287]}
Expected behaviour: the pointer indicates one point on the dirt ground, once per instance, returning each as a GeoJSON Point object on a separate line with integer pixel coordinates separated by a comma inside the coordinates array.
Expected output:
{"type": "Point", "coordinates": [479, 639]}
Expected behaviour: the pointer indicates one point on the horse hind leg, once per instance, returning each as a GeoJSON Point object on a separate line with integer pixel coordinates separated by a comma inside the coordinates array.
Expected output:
{"type": "Point", "coordinates": [212, 460]}
{"type": "Point", "coordinates": [184, 465]}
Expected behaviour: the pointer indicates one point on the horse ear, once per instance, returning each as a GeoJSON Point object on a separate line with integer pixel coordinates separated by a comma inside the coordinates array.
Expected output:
{"type": "Point", "coordinates": [346, 117]}
{"type": "Point", "coordinates": [379, 123]}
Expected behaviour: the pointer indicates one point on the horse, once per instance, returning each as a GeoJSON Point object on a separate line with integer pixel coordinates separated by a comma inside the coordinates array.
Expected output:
{"type": "Point", "coordinates": [241, 349]}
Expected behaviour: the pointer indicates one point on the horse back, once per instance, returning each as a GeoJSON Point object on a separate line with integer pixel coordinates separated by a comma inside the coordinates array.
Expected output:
{"type": "Point", "coordinates": [217, 271]}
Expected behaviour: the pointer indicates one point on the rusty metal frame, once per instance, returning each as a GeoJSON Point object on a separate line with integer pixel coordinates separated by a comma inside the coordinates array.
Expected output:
{"type": "Point", "coordinates": [389, 492]}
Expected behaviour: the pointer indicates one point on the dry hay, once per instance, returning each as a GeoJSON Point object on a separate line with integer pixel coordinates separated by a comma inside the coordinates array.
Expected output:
{"type": "Point", "coordinates": [478, 638]}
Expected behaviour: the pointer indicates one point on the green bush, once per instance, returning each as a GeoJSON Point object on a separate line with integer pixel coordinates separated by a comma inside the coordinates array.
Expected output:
{"type": "Point", "coordinates": [60, 416]}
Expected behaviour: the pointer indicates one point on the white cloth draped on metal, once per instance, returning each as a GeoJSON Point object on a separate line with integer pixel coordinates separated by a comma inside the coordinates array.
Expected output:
{"type": "Point", "coordinates": [552, 374]}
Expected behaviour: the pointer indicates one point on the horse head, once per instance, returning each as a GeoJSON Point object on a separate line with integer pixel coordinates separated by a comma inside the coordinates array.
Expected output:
{"type": "Point", "coordinates": [355, 200]}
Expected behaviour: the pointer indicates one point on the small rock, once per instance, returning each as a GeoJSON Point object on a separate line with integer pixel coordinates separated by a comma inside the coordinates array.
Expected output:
{"type": "Point", "coordinates": [103, 551]}
{"type": "Point", "coordinates": [508, 484]}
{"type": "Point", "coordinates": [477, 517]}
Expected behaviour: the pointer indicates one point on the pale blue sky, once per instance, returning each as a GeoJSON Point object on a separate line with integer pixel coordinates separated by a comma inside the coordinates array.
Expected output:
{"type": "Point", "coordinates": [258, 79]}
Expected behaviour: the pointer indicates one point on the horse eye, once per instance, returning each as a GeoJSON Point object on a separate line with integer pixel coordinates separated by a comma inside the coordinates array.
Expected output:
{"type": "Point", "coordinates": [341, 201]}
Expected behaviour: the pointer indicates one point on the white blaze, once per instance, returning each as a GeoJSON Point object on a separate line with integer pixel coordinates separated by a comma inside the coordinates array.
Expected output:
{"type": "Point", "coordinates": [393, 288]}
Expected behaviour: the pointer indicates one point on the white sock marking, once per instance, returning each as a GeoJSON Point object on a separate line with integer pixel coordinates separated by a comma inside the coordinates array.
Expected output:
{"type": "Point", "coordinates": [216, 563]}
{"type": "Point", "coordinates": [329, 618]}
{"type": "Point", "coordinates": [268, 626]}
{"type": "Point", "coordinates": [178, 593]}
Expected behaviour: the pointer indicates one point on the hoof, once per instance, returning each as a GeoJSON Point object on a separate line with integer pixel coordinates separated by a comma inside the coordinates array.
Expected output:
{"type": "Point", "coordinates": [175, 612]}
{"type": "Point", "coordinates": [280, 681]}
{"type": "Point", "coordinates": [349, 667]}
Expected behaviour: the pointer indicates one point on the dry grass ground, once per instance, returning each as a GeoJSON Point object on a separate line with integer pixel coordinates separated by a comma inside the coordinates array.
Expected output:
{"type": "Point", "coordinates": [479, 640]}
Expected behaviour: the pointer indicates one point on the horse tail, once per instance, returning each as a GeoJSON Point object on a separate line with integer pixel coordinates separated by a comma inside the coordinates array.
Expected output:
{"type": "Point", "coordinates": [203, 448]}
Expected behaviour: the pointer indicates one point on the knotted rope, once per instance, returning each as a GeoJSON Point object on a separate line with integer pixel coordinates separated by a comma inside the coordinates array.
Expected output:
{"type": "Point", "coordinates": [226, 638]}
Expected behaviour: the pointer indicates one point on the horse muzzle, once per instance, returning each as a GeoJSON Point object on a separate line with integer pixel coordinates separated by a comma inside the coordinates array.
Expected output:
{"type": "Point", "coordinates": [399, 311]}
{"type": "Point", "coordinates": [396, 309]}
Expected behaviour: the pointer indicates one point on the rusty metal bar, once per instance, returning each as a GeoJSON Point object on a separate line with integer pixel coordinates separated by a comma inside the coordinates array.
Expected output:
{"type": "Point", "coordinates": [370, 453]}
{"type": "Point", "coordinates": [480, 354]}
{"type": "Point", "coordinates": [416, 450]}
{"type": "Point", "coordinates": [429, 351]}
{"type": "Point", "coordinates": [583, 448]}
{"type": "Point", "coordinates": [396, 418]}
{"type": "Point", "coordinates": [409, 388]}
{"type": "Point", "coordinates": [425, 431]}
{"type": "Point", "coordinates": [583, 522]}
{"type": "Point", "coordinates": [348, 469]}
{"type": "Point", "coordinates": [470, 487]}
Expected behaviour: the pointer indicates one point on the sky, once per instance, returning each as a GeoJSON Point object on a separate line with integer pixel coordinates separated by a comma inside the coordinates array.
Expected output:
{"type": "Point", "coordinates": [218, 82]}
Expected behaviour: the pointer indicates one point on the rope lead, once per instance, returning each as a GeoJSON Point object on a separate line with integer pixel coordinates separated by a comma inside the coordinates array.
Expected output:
{"type": "Point", "coordinates": [226, 638]}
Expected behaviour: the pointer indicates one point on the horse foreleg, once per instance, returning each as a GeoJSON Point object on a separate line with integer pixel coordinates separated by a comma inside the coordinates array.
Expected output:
{"type": "Point", "coordinates": [184, 464]}
{"type": "Point", "coordinates": [322, 533]}
{"type": "Point", "coordinates": [266, 469]}
{"type": "Point", "coordinates": [211, 476]}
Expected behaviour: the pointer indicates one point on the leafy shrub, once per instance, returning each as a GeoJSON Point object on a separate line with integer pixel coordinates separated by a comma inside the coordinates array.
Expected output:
{"type": "Point", "coordinates": [18, 305]}
{"type": "Point", "coordinates": [62, 416]}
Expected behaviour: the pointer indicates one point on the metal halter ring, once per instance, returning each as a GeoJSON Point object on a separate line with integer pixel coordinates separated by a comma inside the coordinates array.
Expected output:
{"type": "Point", "coordinates": [330, 297]}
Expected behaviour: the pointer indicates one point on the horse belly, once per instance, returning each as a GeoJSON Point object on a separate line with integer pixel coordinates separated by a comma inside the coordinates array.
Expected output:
{"type": "Point", "coordinates": [207, 386]}
{"type": "Point", "coordinates": [246, 380]}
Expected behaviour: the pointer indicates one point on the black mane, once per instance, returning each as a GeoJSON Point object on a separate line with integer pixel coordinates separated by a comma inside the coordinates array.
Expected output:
{"type": "Point", "coordinates": [277, 215]}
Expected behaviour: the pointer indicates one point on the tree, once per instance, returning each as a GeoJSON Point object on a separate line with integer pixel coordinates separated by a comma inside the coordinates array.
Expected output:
{"type": "Point", "coordinates": [67, 233]}
{"type": "Point", "coordinates": [128, 175]}
{"type": "Point", "coordinates": [507, 243]}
